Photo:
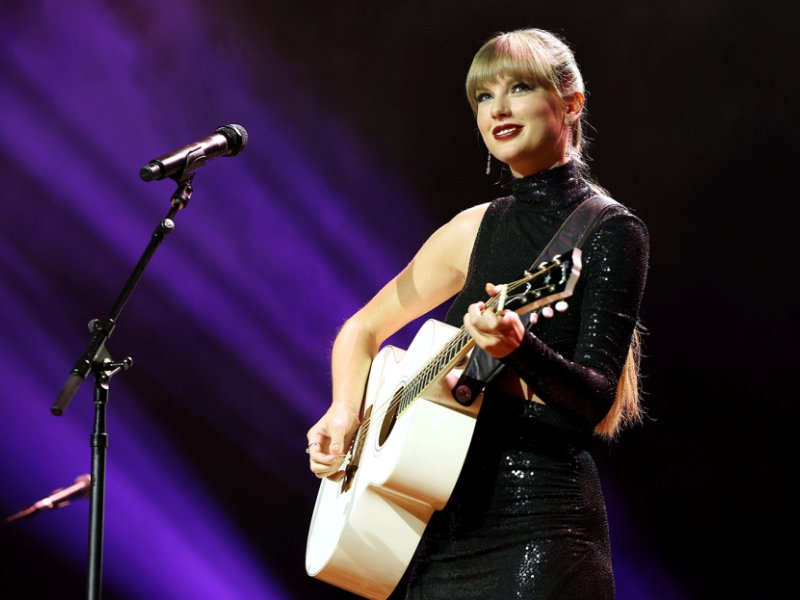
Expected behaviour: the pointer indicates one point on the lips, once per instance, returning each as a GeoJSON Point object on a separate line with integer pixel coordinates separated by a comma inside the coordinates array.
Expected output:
{"type": "Point", "coordinates": [505, 131]}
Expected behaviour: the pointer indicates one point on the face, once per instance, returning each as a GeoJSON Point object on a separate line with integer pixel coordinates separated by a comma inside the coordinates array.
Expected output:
{"type": "Point", "coordinates": [523, 125]}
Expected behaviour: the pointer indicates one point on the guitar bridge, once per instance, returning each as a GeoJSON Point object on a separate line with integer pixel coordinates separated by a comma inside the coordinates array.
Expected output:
{"type": "Point", "coordinates": [355, 452]}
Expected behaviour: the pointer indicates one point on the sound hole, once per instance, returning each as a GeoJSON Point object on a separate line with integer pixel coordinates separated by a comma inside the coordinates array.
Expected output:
{"type": "Point", "coordinates": [391, 416]}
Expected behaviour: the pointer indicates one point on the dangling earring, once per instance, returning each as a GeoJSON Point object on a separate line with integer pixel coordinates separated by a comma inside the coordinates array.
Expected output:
{"type": "Point", "coordinates": [488, 163]}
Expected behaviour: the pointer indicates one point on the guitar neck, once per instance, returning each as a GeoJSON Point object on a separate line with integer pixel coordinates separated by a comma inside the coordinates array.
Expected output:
{"type": "Point", "coordinates": [555, 281]}
{"type": "Point", "coordinates": [442, 363]}
{"type": "Point", "coordinates": [448, 358]}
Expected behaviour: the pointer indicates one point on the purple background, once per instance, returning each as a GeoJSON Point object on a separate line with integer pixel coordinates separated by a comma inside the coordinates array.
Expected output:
{"type": "Point", "coordinates": [361, 143]}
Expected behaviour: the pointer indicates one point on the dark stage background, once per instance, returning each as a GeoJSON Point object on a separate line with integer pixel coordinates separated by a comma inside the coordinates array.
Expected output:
{"type": "Point", "coordinates": [361, 143]}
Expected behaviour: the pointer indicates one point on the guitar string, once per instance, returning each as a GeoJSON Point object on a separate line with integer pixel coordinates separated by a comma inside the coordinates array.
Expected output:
{"type": "Point", "coordinates": [452, 348]}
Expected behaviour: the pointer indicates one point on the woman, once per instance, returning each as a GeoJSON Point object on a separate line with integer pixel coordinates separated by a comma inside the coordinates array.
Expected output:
{"type": "Point", "coordinates": [527, 517]}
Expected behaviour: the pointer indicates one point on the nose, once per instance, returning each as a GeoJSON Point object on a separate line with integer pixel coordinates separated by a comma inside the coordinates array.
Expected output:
{"type": "Point", "coordinates": [500, 106]}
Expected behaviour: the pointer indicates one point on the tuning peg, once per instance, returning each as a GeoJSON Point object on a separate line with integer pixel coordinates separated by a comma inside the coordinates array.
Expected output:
{"type": "Point", "coordinates": [562, 305]}
{"type": "Point", "coordinates": [547, 311]}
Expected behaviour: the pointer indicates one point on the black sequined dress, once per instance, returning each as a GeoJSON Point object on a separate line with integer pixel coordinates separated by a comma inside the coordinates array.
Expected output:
{"type": "Point", "coordinates": [527, 518]}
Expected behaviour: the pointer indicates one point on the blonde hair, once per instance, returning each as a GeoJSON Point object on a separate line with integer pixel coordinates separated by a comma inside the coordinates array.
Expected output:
{"type": "Point", "coordinates": [627, 408]}
{"type": "Point", "coordinates": [536, 56]}
{"type": "Point", "coordinates": [541, 57]}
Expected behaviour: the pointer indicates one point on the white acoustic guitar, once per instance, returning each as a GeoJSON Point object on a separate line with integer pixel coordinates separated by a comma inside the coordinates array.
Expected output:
{"type": "Point", "coordinates": [410, 447]}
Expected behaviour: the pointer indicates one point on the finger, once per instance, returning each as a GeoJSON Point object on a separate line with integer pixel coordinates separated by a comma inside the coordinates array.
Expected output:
{"type": "Point", "coordinates": [473, 313]}
{"type": "Point", "coordinates": [325, 464]}
{"type": "Point", "coordinates": [337, 429]}
{"type": "Point", "coordinates": [337, 476]}
{"type": "Point", "coordinates": [334, 474]}
{"type": "Point", "coordinates": [328, 468]}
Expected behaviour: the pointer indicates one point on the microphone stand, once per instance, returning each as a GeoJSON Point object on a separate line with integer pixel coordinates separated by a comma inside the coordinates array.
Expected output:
{"type": "Point", "coordinates": [97, 360]}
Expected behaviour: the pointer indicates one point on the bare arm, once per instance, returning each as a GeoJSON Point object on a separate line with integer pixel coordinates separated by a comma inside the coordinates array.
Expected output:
{"type": "Point", "coordinates": [437, 272]}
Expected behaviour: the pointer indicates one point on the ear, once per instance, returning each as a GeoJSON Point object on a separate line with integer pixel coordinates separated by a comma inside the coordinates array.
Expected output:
{"type": "Point", "coordinates": [574, 107]}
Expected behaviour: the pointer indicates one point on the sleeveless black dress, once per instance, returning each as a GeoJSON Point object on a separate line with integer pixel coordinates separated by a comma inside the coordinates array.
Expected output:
{"type": "Point", "coordinates": [527, 517]}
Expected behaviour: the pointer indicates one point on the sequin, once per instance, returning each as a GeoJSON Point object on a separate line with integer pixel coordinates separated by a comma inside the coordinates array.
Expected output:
{"type": "Point", "coordinates": [527, 517]}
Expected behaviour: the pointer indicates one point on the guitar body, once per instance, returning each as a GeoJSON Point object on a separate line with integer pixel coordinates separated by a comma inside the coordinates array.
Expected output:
{"type": "Point", "coordinates": [410, 447]}
{"type": "Point", "coordinates": [403, 465]}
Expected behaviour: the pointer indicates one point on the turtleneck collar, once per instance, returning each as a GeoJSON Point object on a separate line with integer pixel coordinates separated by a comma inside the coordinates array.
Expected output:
{"type": "Point", "coordinates": [554, 188]}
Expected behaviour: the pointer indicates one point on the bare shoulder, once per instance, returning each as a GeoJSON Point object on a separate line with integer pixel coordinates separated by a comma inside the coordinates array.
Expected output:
{"type": "Point", "coordinates": [470, 218]}
{"type": "Point", "coordinates": [464, 225]}
{"type": "Point", "coordinates": [460, 231]}
{"type": "Point", "coordinates": [450, 246]}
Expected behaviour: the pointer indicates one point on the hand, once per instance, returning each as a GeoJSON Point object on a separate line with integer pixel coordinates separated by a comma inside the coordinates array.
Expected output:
{"type": "Point", "coordinates": [329, 439]}
{"type": "Point", "coordinates": [547, 312]}
{"type": "Point", "coordinates": [499, 334]}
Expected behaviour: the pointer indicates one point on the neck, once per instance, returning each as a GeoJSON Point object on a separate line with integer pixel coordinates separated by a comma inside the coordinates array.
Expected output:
{"type": "Point", "coordinates": [532, 171]}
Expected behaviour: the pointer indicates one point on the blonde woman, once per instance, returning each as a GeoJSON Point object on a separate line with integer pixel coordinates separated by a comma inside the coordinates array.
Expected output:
{"type": "Point", "coordinates": [527, 517]}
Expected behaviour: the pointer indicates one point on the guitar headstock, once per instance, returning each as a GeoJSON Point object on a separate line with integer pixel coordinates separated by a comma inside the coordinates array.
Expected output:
{"type": "Point", "coordinates": [543, 285]}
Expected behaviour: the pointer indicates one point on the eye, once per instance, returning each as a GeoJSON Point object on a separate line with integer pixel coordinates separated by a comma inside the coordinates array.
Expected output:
{"type": "Point", "coordinates": [521, 86]}
{"type": "Point", "coordinates": [482, 97]}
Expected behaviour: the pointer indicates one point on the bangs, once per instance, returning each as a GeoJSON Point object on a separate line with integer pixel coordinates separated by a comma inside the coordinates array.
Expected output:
{"type": "Point", "coordinates": [510, 56]}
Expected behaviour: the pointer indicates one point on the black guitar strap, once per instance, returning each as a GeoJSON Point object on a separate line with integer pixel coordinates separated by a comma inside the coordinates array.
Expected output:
{"type": "Point", "coordinates": [482, 368]}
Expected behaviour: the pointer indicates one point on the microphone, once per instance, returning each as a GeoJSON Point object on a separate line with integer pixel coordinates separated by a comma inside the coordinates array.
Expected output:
{"type": "Point", "coordinates": [227, 140]}
{"type": "Point", "coordinates": [60, 497]}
